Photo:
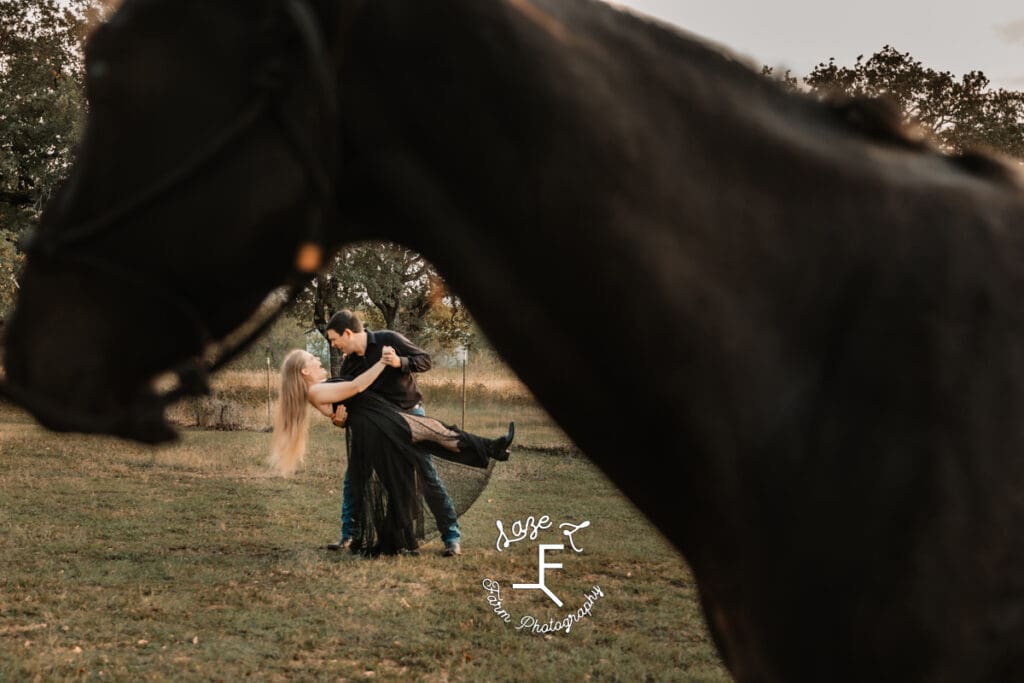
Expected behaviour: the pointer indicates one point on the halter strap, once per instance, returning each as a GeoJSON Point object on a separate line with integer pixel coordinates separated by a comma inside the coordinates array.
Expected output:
{"type": "Point", "coordinates": [35, 245]}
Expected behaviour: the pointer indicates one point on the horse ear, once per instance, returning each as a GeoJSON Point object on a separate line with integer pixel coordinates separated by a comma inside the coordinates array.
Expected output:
{"type": "Point", "coordinates": [880, 119]}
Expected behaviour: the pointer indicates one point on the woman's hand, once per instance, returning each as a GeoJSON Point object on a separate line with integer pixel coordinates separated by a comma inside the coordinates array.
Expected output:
{"type": "Point", "coordinates": [340, 417]}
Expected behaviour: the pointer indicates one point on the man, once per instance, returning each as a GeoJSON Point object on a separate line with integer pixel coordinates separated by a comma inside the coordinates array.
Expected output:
{"type": "Point", "coordinates": [363, 348]}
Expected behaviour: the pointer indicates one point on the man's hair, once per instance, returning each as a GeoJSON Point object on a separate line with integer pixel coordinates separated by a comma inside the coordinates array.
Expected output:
{"type": "Point", "coordinates": [345, 320]}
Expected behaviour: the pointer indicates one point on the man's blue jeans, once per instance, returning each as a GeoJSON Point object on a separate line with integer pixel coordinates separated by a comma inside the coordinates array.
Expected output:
{"type": "Point", "coordinates": [434, 493]}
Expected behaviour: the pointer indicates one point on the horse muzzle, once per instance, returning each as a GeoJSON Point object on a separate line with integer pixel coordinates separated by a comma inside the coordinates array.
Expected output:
{"type": "Point", "coordinates": [142, 420]}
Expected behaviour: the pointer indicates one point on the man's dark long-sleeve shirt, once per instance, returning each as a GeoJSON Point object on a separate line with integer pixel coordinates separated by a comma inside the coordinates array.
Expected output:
{"type": "Point", "coordinates": [397, 385]}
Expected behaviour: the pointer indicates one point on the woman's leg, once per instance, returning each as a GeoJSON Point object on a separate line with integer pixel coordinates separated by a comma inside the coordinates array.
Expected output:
{"type": "Point", "coordinates": [428, 429]}
{"type": "Point", "coordinates": [468, 449]}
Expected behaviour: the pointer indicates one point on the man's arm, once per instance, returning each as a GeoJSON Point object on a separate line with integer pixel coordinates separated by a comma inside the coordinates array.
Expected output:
{"type": "Point", "coordinates": [411, 358]}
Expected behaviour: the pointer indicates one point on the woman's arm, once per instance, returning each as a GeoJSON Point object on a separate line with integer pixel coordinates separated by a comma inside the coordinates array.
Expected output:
{"type": "Point", "coordinates": [326, 393]}
{"type": "Point", "coordinates": [324, 408]}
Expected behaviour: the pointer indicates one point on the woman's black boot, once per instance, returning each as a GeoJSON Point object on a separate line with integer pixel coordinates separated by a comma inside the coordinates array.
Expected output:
{"type": "Point", "coordinates": [499, 446]}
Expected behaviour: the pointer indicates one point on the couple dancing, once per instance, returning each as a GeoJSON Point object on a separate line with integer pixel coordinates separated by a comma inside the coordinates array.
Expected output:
{"type": "Point", "coordinates": [390, 438]}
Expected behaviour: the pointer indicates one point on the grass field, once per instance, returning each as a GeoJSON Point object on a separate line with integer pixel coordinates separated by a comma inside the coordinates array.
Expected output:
{"type": "Point", "coordinates": [190, 562]}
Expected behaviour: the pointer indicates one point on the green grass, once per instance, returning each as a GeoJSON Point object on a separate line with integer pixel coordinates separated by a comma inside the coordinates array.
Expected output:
{"type": "Point", "coordinates": [190, 562]}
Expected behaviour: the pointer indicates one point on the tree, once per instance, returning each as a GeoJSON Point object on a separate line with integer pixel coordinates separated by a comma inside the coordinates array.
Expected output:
{"type": "Point", "coordinates": [961, 114]}
{"type": "Point", "coordinates": [285, 334]}
{"type": "Point", "coordinates": [786, 79]}
{"type": "Point", "coordinates": [41, 110]}
{"type": "Point", "coordinates": [393, 278]}
{"type": "Point", "coordinates": [42, 104]}
{"type": "Point", "coordinates": [10, 263]}
{"type": "Point", "coordinates": [395, 287]}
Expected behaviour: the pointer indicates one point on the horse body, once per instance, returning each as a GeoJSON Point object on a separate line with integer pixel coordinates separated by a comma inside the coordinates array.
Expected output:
{"type": "Point", "coordinates": [786, 328]}
{"type": "Point", "coordinates": [791, 339]}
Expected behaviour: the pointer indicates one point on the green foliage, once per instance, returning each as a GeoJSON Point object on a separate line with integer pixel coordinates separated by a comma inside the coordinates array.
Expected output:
{"type": "Point", "coordinates": [786, 78]}
{"type": "Point", "coordinates": [10, 262]}
{"type": "Point", "coordinates": [43, 102]}
{"type": "Point", "coordinates": [393, 278]}
{"type": "Point", "coordinates": [393, 287]}
{"type": "Point", "coordinates": [961, 114]}
{"type": "Point", "coordinates": [41, 111]}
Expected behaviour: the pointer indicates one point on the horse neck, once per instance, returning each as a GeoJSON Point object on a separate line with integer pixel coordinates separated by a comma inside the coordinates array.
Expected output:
{"type": "Point", "coordinates": [626, 213]}
{"type": "Point", "coordinates": [542, 161]}
{"type": "Point", "coordinates": [548, 135]}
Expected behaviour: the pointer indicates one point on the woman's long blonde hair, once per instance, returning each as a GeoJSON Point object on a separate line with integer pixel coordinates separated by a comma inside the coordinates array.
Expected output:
{"type": "Point", "coordinates": [288, 444]}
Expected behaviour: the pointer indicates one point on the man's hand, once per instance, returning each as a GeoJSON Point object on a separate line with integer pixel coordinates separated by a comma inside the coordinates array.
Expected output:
{"type": "Point", "coordinates": [340, 417]}
{"type": "Point", "coordinates": [391, 358]}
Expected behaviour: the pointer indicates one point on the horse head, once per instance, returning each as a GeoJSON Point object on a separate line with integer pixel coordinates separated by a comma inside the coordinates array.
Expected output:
{"type": "Point", "coordinates": [199, 145]}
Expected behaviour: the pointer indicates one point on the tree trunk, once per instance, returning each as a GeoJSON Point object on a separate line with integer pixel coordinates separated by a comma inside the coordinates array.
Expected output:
{"type": "Point", "coordinates": [324, 305]}
{"type": "Point", "coordinates": [389, 310]}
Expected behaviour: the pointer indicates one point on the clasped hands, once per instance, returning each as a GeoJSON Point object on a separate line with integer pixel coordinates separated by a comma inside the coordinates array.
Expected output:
{"type": "Point", "coordinates": [389, 357]}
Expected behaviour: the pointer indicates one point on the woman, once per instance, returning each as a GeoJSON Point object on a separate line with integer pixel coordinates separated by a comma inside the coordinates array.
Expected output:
{"type": "Point", "coordinates": [388, 446]}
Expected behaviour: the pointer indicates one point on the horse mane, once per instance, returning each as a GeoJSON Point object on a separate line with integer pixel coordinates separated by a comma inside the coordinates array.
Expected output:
{"type": "Point", "coordinates": [875, 119]}
{"type": "Point", "coordinates": [879, 119]}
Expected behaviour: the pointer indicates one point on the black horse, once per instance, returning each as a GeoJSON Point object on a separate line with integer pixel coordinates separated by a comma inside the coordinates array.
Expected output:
{"type": "Point", "coordinates": [788, 331]}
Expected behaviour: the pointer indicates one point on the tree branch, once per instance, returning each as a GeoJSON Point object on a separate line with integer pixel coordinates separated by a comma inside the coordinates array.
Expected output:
{"type": "Point", "coordinates": [17, 198]}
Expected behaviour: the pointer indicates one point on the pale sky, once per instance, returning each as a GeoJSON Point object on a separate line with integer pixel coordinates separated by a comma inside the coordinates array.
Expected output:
{"type": "Point", "coordinates": [961, 36]}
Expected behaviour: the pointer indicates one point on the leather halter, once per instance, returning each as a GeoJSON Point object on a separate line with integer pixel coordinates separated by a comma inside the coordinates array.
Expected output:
{"type": "Point", "coordinates": [320, 177]}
